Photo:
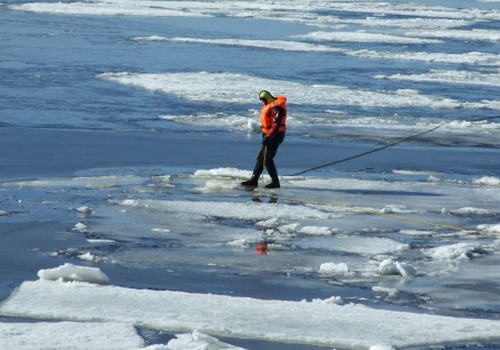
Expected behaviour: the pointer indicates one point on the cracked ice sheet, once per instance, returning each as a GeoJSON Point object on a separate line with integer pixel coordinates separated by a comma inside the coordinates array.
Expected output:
{"type": "Point", "coordinates": [327, 324]}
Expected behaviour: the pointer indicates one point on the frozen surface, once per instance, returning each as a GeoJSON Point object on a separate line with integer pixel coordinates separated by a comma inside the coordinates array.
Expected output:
{"type": "Point", "coordinates": [69, 335]}
{"type": "Point", "coordinates": [470, 58]}
{"type": "Point", "coordinates": [127, 127]}
{"type": "Point", "coordinates": [326, 324]}
{"type": "Point", "coordinates": [70, 272]}
{"type": "Point", "coordinates": [205, 87]}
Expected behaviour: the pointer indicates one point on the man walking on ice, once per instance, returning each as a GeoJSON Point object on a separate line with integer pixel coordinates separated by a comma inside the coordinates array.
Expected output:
{"type": "Point", "coordinates": [273, 127]}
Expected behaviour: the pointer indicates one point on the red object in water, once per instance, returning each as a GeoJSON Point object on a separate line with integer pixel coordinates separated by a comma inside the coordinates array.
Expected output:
{"type": "Point", "coordinates": [261, 248]}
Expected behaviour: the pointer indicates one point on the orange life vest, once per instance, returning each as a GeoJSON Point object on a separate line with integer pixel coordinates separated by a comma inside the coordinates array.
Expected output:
{"type": "Point", "coordinates": [267, 118]}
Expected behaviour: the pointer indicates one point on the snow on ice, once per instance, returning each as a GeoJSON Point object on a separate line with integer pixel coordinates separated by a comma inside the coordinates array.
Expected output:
{"type": "Point", "coordinates": [405, 234]}
{"type": "Point", "coordinates": [469, 58]}
{"type": "Point", "coordinates": [296, 12]}
{"type": "Point", "coordinates": [70, 272]}
{"type": "Point", "coordinates": [69, 335]}
{"type": "Point", "coordinates": [204, 87]}
{"type": "Point", "coordinates": [327, 323]}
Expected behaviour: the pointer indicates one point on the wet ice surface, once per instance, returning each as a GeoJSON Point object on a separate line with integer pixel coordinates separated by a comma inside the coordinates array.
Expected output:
{"type": "Point", "coordinates": [376, 242]}
{"type": "Point", "coordinates": [123, 219]}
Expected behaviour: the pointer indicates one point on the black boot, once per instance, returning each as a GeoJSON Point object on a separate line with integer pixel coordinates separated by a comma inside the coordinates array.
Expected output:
{"type": "Point", "coordinates": [253, 182]}
{"type": "Point", "coordinates": [274, 184]}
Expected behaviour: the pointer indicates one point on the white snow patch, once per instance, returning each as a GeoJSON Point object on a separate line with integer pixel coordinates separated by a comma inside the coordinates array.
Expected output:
{"type": "Point", "coordinates": [288, 228]}
{"type": "Point", "coordinates": [473, 34]}
{"type": "Point", "coordinates": [85, 210]}
{"type": "Point", "coordinates": [218, 185]}
{"type": "Point", "coordinates": [161, 230]}
{"type": "Point", "coordinates": [470, 211]}
{"type": "Point", "coordinates": [70, 272]}
{"type": "Point", "coordinates": [410, 172]}
{"type": "Point", "coordinates": [240, 89]}
{"type": "Point", "coordinates": [234, 122]}
{"type": "Point", "coordinates": [364, 37]}
{"type": "Point", "coordinates": [449, 77]}
{"type": "Point", "coordinates": [317, 13]}
{"type": "Point", "coordinates": [381, 347]}
{"type": "Point", "coordinates": [262, 44]}
{"type": "Point", "coordinates": [198, 341]}
{"type": "Point", "coordinates": [332, 300]}
{"type": "Point", "coordinates": [457, 252]}
{"type": "Point", "coordinates": [163, 181]}
{"type": "Point", "coordinates": [88, 257]}
{"type": "Point", "coordinates": [100, 240]}
{"type": "Point", "coordinates": [222, 172]}
{"type": "Point", "coordinates": [487, 181]}
{"type": "Point", "coordinates": [471, 58]}
{"type": "Point", "coordinates": [417, 233]}
{"type": "Point", "coordinates": [489, 228]}
{"type": "Point", "coordinates": [391, 292]}
{"type": "Point", "coordinates": [253, 125]}
{"type": "Point", "coordinates": [333, 269]}
{"type": "Point", "coordinates": [80, 227]}
{"type": "Point", "coordinates": [390, 267]}
{"type": "Point", "coordinates": [240, 243]}
{"type": "Point", "coordinates": [152, 38]}
{"type": "Point", "coordinates": [315, 230]}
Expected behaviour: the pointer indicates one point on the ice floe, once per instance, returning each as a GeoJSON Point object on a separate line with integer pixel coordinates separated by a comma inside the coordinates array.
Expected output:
{"type": "Point", "coordinates": [473, 34]}
{"type": "Point", "coordinates": [390, 267]}
{"type": "Point", "coordinates": [450, 77]}
{"type": "Point", "coordinates": [487, 181]}
{"type": "Point", "coordinates": [239, 88]}
{"type": "Point", "coordinates": [327, 324]}
{"type": "Point", "coordinates": [458, 251]}
{"type": "Point", "coordinates": [262, 44]}
{"type": "Point", "coordinates": [364, 37]}
{"type": "Point", "coordinates": [333, 269]}
{"type": "Point", "coordinates": [490, 228]}
{"type": "Point", "coordinates": [70, 272]}
{"type": "Point", "coordinates": [470, 58]}
{"type": "Point", "coordinates": [316, 13]}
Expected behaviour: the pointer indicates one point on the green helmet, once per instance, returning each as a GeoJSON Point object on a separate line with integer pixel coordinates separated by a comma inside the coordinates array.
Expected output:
{"type": "Point", "coordinates": [266, 96]}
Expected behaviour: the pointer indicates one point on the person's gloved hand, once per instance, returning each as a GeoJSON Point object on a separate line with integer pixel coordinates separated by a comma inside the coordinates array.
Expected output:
{"type": "Point", "coordinates": [265, 141]}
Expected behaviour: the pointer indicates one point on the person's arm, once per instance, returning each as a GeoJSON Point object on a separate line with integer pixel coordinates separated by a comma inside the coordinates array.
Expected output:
{"type": "Point", "coordinates": [277, 113]}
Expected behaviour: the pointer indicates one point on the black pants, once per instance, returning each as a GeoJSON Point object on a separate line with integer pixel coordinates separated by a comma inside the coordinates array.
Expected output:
{"type": "Point", "coordinates": [266, 157]}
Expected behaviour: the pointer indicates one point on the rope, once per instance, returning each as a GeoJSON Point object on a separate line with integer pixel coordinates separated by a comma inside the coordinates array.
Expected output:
{"type": "Point", "coordinates": [375, 212]}
{"type": "Point", "coordinates": [368, 152]}
{"type": "Point", "coordinates": [386, 146]}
